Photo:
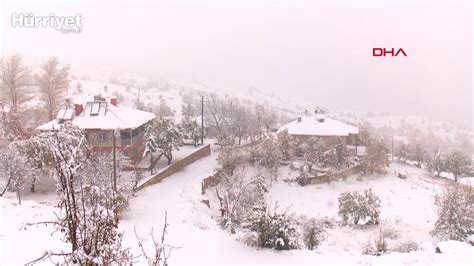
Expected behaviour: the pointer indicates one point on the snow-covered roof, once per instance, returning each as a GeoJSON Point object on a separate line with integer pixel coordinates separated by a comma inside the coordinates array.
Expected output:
{"type": "Point", "coordinates": [317, 126]}
{"type": "Point", "coordinates": [101, 115]}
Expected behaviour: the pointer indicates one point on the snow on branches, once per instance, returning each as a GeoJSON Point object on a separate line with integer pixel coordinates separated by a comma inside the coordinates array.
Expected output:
{"type": "Point", "coordinates": [163, 136]}
{"type": "Point", "coordinates": [16, 169]}
{"type": "Point", "coordinates": [455, 213]}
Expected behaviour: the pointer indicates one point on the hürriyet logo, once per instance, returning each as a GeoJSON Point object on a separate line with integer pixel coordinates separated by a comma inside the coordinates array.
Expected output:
{"type": "Point", "coordinates": [64, 24]}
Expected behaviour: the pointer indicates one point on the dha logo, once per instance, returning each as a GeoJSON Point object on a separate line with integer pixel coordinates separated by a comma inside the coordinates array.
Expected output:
{"type": "Point", "coordinates": [385, 52]}
{"type": "Point", "coordinates": [64, 24]}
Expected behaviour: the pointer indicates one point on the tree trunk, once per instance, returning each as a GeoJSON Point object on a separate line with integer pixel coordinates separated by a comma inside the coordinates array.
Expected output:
{"type": "Point", "coordinates": [32, 188]}
{"type": "Point", "coordinates": [18, 195]}
{"type": "Point", "coordinates": [6, 187]}
{"type": "Point", "coordinates": [151, 163]}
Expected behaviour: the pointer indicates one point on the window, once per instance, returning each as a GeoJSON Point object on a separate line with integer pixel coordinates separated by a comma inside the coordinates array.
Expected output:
{"type": "Point", "coordinates": [102, 136]}
{"type": "Point", "coordinates": [126, 137]}
{"type": "Point", "coordinates": [135, 132]}
{"type": "Point", "coordinates": [95, 109]}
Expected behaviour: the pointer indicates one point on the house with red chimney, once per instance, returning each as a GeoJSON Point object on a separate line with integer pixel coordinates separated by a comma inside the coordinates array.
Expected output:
{"type": "Point", "coordinates": [103, 120]}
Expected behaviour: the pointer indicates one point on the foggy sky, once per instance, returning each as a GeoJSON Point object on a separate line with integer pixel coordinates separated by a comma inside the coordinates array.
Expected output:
{"type": "Point", "coordinates": [313, 52]}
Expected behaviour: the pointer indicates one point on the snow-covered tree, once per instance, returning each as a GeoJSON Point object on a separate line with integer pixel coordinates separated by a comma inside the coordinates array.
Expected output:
{"type": "Point", "coordinates": [162, 109]}
{"type": "Point", "coordinates": [313, 151]}
{"type": "Point", "coordinates": [16, 169]}
{"type": "Point", "coordinates": [340, 155]}
{"type": "Point", "coordinates": [355, 207]}
{"type": "Point", "coordinates": [456, 163]}
{"type": "Point", "coordinates": [285, 143]}
{"type": "Point", "coordinates": [402, 151]}
{"type": "Point", "coordinates": [231, 120]}
{"type": "Point", "coordinates": [11, 126]}
{"type": "Point", "coordinates": [15, 81]}
{"type": "Point", "coordinates": [239, 197]}
{"type": "Point", "coordinates": [417, 147]}
{"type": "Point", "coordinates": [230, 159]}
{"type": "Point", "coordinates": [436, 162]}
{"type": "Point", "coordinates": [53, 83]}
{"type": "Point", "coordinates": [268, 154]}
{"type": "Point", "coordinates": [192, 131]}
{"type": "Point", "coordinates": [163, 136]}
{"type": "Point", "coordinates": [376, 157]}
{"type": "Point", "coordinates": [40, 147]}
{"type": "Point", "coordinates": [87, 204]}
{"type": "Point", "coordinates": [151, 144]}
{"type": "Point", "coordinates": [455, 213]}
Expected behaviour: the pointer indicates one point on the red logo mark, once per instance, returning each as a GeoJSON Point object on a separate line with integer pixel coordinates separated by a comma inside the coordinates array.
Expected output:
{"type": "Point", "coordinates": [385, 52]}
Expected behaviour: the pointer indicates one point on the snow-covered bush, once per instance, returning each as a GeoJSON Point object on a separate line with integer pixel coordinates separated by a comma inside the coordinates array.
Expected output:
{"type": "Point", "coordinates": [355, 207]}
{"type": "Point", "coordinates": [313, 233]}
{"type": "Point", "coordinates": [455, 213]}
{"type": "Point", "coordinates": [379, 246]}
{"type": "Point", "coordinates": [230, 159]}
{"type": "Point", "coordinates": [267, 153]}
{"type": "Point", "coordinates": [240, 198]}
{"type": "Point", "coordinates": [456, 163]}
{"type": "Point", "coordinates": [275, 230]}
{"type": "Point", "coordinates": [405, 247]}
{"type": "Point", "coordinates": [16, 169]}
{"type": "Point", "coordinates": [390, 233]}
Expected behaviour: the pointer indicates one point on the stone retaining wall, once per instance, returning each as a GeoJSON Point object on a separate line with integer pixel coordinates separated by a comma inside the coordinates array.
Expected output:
{"type": "Point", "coordinates": [176, 166]}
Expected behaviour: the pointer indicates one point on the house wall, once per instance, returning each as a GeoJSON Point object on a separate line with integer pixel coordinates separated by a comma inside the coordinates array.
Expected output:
{"type": "Point", "coordinates": [329, 141]}
{"type": "Point", "coordinates": [106, 145]}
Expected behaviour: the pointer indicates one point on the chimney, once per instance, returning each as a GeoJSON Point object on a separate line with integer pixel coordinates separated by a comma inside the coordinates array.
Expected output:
{"type": "Point", "coordinates": [67, 101]}
{"type": "Point", "coordinates": [78, 109]}
{"type": "Point", "coordinates": [298, 119]}
{"type": "Point", "coordinates": [320, 117]}
{"type": "Point", "coordinates": [113, 100]}
{"type": "Point", "coordinates": [98, 98]}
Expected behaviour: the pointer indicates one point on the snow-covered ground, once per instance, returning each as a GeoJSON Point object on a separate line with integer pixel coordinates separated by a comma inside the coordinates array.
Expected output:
{"type": "Point", "coordinates": [407, 207]}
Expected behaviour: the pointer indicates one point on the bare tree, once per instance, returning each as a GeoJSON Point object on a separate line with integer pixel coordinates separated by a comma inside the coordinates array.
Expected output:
{"type": "Point", "coordinates": [15, 81]}
{"type": "Point", "coordinates": [53, 83]}
{"type": "Point", "coordinates": [162, 251]}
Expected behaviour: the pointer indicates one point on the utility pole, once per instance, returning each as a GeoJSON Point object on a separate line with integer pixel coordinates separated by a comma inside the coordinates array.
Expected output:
{"type": "Point", "coordinates": [202, 120]}
{"type": "Point", "coordinates": [392, 148]}
{"type": "Point", "coordinates": [114, 158]}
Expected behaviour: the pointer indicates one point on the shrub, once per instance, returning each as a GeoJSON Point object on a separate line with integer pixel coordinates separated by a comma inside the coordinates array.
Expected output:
{"type": "Point", "coordinates": [390, 233]}
{"type": "Point", "coordinates": [313, 233]}
{"type": "Point", "coordinates": [455, 213]}
{"type": "Point", "coordinates": [379, 247]}
{"type": "Point", "coordinates": [229, 160]}
{"type": "Point", "coordinates": [275, 230]}
{"type": "Point", "coordinates": [406, 247]}
{"type": "Point", "coordinates": [241, 200]}
{"type": "Point", "coordinates": [354, 207]}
